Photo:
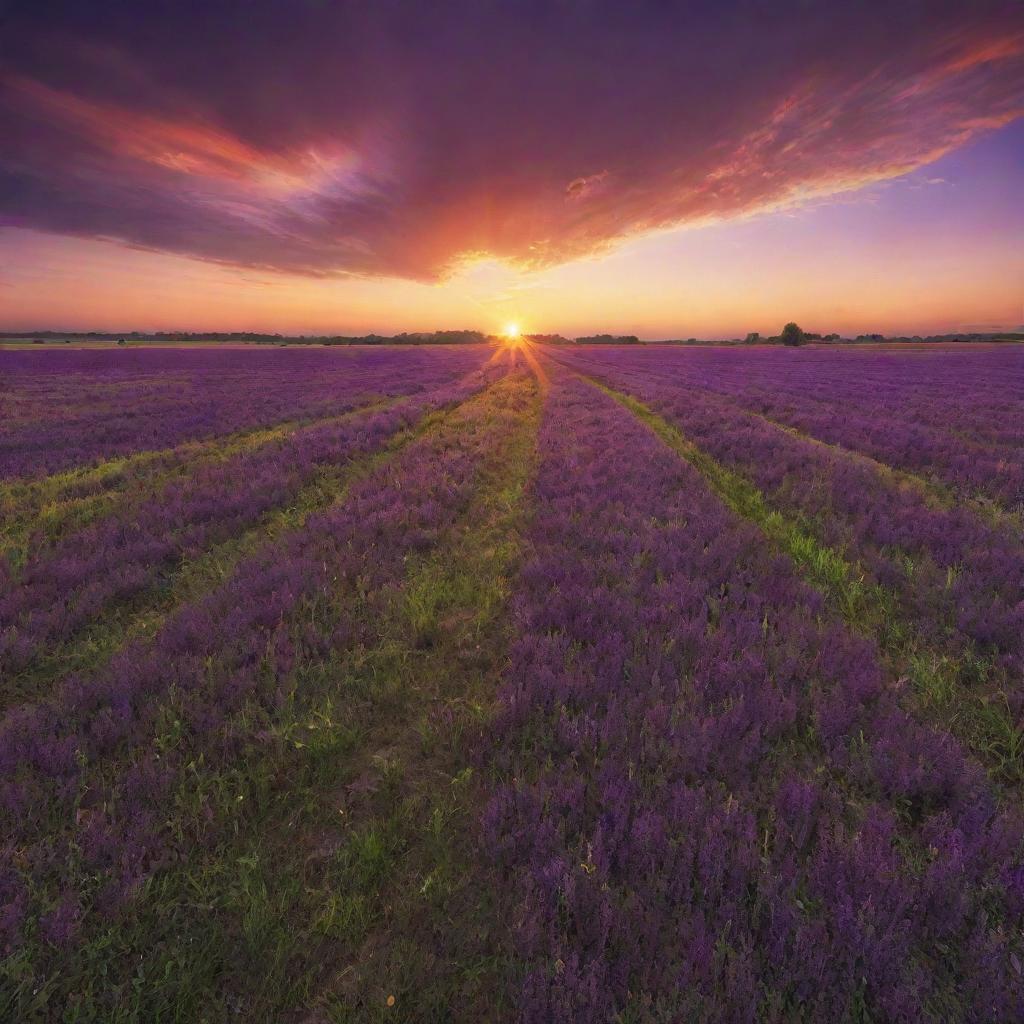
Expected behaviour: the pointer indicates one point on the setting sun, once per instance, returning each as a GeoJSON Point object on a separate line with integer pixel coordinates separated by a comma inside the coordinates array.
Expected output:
{"type": "Point", "coordinates": [511, 332]}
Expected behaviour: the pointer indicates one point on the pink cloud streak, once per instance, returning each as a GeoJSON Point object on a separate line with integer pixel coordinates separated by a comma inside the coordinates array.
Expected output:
{"type": "Point", "coordinates": [407, 155]}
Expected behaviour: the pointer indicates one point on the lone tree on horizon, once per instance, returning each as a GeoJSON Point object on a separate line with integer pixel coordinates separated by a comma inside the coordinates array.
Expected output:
{"type": "Point", "coordinates": [792, 335]}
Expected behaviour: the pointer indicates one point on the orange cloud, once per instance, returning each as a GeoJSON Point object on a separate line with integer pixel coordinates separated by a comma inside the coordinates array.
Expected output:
{"type": "Point", "coordinates": [400, 141]}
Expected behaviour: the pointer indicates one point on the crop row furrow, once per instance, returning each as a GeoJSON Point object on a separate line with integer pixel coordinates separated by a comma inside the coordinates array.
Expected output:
{"type": "Point", "coordinates": [128, 555]}
{"type": "Point", "coordinates": [713, 807]}
{"type": "Point", "coordinates": [142, 615]}
{"type": "Point", "coordinates": [157, 774]}
{"type": "Point", "coordinates": [23, 500]}
{"type": "Point", "coordinates": [41, 514]}
{"type": "Point", "coordinates": [935, 492]}
{"type": "Point", "coordinates": [169, 397]}
{"type": "Point", "coordinates": [406, 862]}
{"type": "Point", "coordinates": [960, 689]}
{"type": "Point", "coordinates": [873, 417]}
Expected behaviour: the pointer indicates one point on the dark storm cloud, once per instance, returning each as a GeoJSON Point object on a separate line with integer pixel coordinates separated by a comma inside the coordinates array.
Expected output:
{"type": "Point", "coordinates": [397, 138]}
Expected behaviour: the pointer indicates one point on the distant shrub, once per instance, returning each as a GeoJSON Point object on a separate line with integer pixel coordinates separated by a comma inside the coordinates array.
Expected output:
{"type": "Point", "coordinates": [792, 335]}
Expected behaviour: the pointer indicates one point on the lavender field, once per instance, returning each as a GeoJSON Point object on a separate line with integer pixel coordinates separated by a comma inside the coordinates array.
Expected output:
{"type": "Point", "coordinates": [600, 684]}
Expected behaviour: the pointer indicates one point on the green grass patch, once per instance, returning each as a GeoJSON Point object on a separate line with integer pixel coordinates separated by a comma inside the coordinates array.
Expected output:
{"type": "Point", "coordinates": [92, 646]}
{"type": "Point", "coordinates": [951, 689]}
{"type": "Point", "coordinates": [39, 513]}
{"type": "Point", "coordinates": [329, 867]}
{"type": "Point", "coordinates": [936, 492]}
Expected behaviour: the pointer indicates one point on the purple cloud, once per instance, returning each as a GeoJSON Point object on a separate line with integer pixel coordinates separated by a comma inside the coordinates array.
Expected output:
{"type": "Point", "coordinates": [392, 138]}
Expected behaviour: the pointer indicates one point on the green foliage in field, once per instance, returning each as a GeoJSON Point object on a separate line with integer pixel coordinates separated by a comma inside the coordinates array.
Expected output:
{"type": "Point", "coordinates": [948, 687]}
{"type": "Point", "coordinates": [326, 873]}
{"type": "Point", "coordinates": [142, 615]}
{"type": "Point", "coordinates": [35, 514]}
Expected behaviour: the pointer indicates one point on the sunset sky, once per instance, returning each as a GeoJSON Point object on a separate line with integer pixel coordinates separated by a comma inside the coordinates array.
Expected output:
{"type": "Point", "coordinates": [669, 170]}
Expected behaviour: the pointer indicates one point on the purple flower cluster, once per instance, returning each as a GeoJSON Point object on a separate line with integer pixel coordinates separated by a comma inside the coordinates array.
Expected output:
{"type": "Point", "coordinates": [710, 805]}
{"type": "Point", "coordinates": [86, 791]}
{"type": "Point", "coordinates": [63, 409]}
{"type": "Point", "coordinates": [965, 584]}
{"type": "Point", "coordinates": [709, 799]}
{"type": "Point", "coordinates": [62, 588]}
{"type": "Point", "coordinates": [955, 414]}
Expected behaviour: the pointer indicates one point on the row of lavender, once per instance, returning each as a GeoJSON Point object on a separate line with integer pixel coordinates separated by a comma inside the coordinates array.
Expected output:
{"type": "Point", "coordinates": [955, 415]}
{"type": "Point", "coordinates": [91, 785]}
{"type": "Point", "coordinates": [63, 587]}
{"type": "Point", "coordinates": [62, 409]}
{"type": "Point", "coordinates": [712, 807]}
{"type": "Point", "coordinates": [959, 580]}
{"type": "Point", "coordinates": [969, 391]}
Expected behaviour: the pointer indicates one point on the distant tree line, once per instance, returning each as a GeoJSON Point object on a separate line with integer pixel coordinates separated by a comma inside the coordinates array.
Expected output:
{"type": "Point", "coordinates": [412, 338]}
{"type": "Point", "coordinates": [792, 335]}
{"type": "Point", "coordinates": [251, 337]}
{"type": "Point", "coordinates": [609, 339]}
{"type": "Point", "coordinates": [548, 339]}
